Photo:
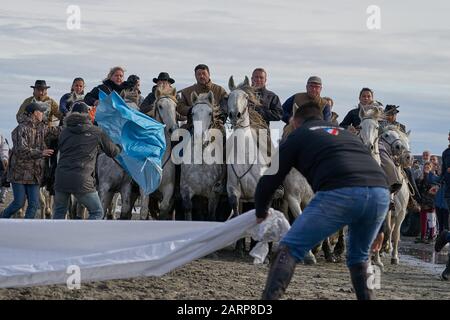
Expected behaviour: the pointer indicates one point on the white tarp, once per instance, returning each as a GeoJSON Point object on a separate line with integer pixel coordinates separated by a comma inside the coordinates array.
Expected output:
{"type": "Point", "coordinates": [39, 252]}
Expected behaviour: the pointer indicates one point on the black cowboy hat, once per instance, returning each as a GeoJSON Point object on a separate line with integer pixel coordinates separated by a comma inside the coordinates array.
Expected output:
{"type": "Point", "coordinates": [163, 76]}
{"type": "Point", "coordinates": [391, 109]}
{"type": "Point", "coordinates": [40, 84]}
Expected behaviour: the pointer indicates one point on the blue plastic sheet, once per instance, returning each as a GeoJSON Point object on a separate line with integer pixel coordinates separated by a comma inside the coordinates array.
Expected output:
{"type": "Point", "coordinates": [141, 137]}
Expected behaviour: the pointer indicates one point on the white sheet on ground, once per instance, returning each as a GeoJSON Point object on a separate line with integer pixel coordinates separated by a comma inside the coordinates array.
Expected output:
{"type": "Point", "coordinates": [39, 252]}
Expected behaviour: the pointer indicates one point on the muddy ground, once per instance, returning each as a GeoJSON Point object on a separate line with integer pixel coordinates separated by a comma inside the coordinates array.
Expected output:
{"type": "Point", "coordinates": [227, 276]}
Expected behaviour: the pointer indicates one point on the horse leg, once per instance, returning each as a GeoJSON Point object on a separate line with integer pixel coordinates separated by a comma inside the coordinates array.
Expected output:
{"type": "Point", "coordinates": [294, 205]}
{"type": "Point", "coordinates": [166, 203]}
{"type": "Point", "coordinates": [234, 203]}
{"type": "Point", "coordinates": [327, 250]}
{"type": "Point", "coordinates": [48, 211]}
{"type": "Point", "coordinates": [339, 248]}
{"type": "Point", "coordinates": [396, 235]}
{"type": "Point", "coordinates": [213, 199]}
{"type": "Point", "coordinates": [144, 213]}
{"type": "Point", "coordinates": [186, 198]}
{"type": "Point", "coordinates": [377, 260]}
{"type": "Point", "coordinates": [386, 247]}
{"type": "Point", "coordinates": [106, 199]}
{"type": "Point", "coordinates": [42, 202]}
{"type": "Point", "coordinates": [125, 196]}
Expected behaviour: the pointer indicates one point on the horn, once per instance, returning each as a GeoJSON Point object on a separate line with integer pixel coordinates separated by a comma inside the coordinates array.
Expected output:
{"type": "Point", "coordinates": [231, 84]}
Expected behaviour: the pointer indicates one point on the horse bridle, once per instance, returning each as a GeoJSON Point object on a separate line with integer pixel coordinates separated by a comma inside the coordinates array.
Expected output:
{"type": "Point", "coordinates": [157, 113]}
{"type": "Point", "coordinates": [159, 118]}
{"type": "Point", "coordinates": [245, 111]}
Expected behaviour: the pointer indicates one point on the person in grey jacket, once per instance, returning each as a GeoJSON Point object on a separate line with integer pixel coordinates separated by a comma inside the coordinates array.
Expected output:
{"type": "Point", "coordinates": [79, 143]}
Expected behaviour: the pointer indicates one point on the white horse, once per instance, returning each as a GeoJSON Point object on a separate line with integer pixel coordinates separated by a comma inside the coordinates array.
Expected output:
{"type": "Point", "coordinates": [203, 179]}
{"type": "Point", "coordinates": [244, 153]}
{"type": "Point", "coordinates": [164, 111]}
{"type": "Point", "coordinates": [370, 118]}
{"type": "Point", "coordinates": [397, 145]}
{"type": "Point", "coordinates": [297, 191]}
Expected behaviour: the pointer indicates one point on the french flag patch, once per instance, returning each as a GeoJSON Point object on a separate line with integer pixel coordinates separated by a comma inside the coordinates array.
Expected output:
{"type": "Point", "coordinates": [332, 131]}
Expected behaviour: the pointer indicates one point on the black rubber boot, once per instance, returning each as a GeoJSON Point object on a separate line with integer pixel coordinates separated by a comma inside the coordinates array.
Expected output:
{"type": "Point", "coordinates": [446, 273]}
{"type": "Point", "coordinates": [441, 241]}
{"type": "Point", "coordinates": [359, 276]}
{"type": "Point", "coordinates": [280, 274]}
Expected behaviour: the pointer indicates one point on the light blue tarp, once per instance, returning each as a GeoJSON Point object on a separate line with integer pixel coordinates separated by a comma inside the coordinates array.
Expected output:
{"type": "Point", "coordinates": [141, 137]}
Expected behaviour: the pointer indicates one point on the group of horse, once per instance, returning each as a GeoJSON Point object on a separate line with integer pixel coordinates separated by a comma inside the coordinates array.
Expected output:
{"type": "Point", "coordinates": [237, 179]}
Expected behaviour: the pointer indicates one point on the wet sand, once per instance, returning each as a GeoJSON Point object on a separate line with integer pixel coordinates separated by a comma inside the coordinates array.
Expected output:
{"type": "Point", "coordinates": [227, 276]}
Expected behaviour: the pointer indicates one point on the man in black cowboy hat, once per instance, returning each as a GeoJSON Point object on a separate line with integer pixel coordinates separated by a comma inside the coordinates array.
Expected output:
{"type": "Point", "coordinates": [390, 113]}
{"type": "Point", "coordinates": [164, 82]}
{"type": "Point", "coordinates": [40, 94]}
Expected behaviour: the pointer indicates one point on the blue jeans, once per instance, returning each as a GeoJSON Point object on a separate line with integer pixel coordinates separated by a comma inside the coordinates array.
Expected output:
{"type": "Point", "coordinates": [363, 209]}
{"type": "Point", "coordinates": [20, 192]}
{"type": "Point", "coordinates": [90, 200]}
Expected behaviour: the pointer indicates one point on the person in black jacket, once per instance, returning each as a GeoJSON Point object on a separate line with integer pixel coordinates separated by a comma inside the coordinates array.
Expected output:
{"type": "Point", "coordinates": [270, 108]}
{"type": "Point", "coordinates": [350, 189]}
{"type": "Point", "coordinates": [79, 143]}
{"type": "Point", "coordinates": [113, 82]}
{"type": "Point", "coordinates": [444, 236]}
{"type": "Point", "coordinates": [164, 82]}
{"type": "Point", "coordinates": [352, 120]}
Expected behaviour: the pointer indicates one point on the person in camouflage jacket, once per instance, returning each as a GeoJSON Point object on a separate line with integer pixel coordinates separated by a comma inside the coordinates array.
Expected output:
{"type": "Point", "coordinates": [25, 169]}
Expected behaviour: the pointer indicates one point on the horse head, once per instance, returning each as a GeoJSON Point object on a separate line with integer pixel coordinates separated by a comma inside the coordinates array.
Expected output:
{"type": "Point", "coordinates": [165, 108]}
{"type": "Point", "coordinates": [370, 128]}
{"type": "Point", "coordinates": [202, 114]}
{"type": "Point", "coordinates": [396, 140]}
{"type": "Point", "coordinates": [238, 101]}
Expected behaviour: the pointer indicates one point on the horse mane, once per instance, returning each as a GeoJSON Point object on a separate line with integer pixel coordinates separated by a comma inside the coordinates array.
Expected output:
{"type": "Point", "coordinates": [372, 112]}
{"type": "Point", "coordinates": [256, 120]}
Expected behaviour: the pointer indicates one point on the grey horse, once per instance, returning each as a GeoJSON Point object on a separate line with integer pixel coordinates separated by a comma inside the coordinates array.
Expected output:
{"type": "Point", "coordinates": [164, 111]}
{"type": "Point", "coordinates": [112, 179]}
{"type": "Point", "coordinates": [204, 178]}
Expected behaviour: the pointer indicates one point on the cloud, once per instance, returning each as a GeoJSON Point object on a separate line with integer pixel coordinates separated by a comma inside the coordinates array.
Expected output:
{"type": "Point", "coordinates": [404, 62]}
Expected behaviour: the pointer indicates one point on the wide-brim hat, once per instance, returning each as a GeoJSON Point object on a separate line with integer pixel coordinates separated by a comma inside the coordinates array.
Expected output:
{"type": "Point", "coordinates": [391, 109]}
{"type": "Point", "coordinates": [40, 84]}
{"type": "Point", "coordinates": [164, 76]}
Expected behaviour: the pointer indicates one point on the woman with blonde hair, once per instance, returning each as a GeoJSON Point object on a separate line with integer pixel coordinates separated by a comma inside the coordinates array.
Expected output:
{"type": "Point", "coordinates": [113, 82]}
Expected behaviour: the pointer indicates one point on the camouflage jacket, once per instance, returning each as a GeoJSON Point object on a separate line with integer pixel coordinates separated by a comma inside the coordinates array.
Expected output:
{"type": "Point", "coordinates": [26, 165]}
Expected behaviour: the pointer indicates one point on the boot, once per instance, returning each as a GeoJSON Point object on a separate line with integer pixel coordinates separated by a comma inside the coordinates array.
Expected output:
{"type": "Point", "coordinates": [441, 241]}
{"type": "Point", "coordinates": [359, 276]}
{"type": "Point", "coordinates": [280, 274]}
{"type": "Point", "coordinates": [446, 273]}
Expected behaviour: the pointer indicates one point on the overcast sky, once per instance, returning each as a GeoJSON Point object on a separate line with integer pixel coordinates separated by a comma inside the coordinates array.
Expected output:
{"type": "Point", "coordinates": [406, 62]}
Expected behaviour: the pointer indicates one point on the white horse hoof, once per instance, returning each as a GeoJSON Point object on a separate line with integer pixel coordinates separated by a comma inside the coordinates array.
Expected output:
{"type": "Point", "coordinates": [309, 258]}
{"type": "Point", "coordinates": [379, 265]}
{"type": "Point", "coordinates": [394, 260]}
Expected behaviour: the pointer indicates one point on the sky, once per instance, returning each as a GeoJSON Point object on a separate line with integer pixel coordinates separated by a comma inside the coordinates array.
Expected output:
{"type": "Point", "coordinates": [406, 61]}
